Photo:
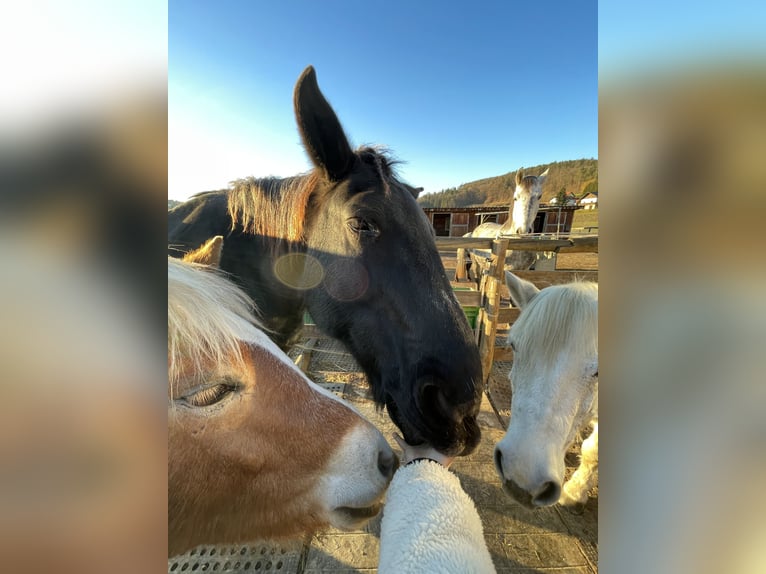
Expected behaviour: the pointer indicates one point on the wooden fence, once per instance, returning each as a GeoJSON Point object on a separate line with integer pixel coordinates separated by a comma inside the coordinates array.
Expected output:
{"type": "Point", "coordinates": [494, 313]}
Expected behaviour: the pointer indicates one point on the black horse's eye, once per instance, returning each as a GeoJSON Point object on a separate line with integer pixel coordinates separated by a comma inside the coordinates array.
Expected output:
{"type": "Point", "coordinates": [363, 226]}
{"type": "Point", "coordinates": [210, 395]}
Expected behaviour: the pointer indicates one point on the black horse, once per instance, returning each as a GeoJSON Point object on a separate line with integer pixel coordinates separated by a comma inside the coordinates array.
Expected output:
{"type": "Point", "coordinates": [348, 242]}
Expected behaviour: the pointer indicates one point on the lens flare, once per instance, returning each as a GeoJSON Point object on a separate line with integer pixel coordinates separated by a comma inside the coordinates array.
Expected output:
{"type": "Point", "coordinates": [346, 280]}
{"type": "Point", "coordinates": [299, 271]}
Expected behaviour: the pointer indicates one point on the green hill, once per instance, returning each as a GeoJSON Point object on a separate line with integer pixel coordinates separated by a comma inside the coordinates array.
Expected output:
{"type": "Point", "coordinates": [574, 177]}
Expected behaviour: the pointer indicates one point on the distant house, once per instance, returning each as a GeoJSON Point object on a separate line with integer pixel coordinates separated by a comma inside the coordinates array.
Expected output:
{"type": "Point", "coordinates": [569, 200]}
{"type": "Point", "coordinates": [589, 200]}
{"type": "Point", "coordinates": [457, 221]}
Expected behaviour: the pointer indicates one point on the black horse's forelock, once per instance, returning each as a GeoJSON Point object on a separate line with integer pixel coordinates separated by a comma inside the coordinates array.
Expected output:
{"type": "Point", "coordinates": [383, 161]}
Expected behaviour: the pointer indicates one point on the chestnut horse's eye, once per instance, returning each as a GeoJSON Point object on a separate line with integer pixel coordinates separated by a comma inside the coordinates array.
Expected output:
{"type": "Point", "coordinates": [363, 227]}
{"type": "Point", "coordinates": [209, 396]}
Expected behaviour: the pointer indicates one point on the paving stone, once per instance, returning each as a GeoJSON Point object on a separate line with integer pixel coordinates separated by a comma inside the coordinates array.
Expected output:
{"type": "Point", "coordinates": [543, 550]}
{"type": "Point", "coordinates": [567, 570]}
{"type": "Point", "coordinates": [519, 520]}
{"type": "Point", "coordinates": [338, 551]}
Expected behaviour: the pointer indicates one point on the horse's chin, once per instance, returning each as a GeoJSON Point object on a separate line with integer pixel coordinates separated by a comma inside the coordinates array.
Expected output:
{"type": "Point", "coordinates": [518, 494]}
{"type": "Point", "coordinates": [459, 446]}
{"type": "Point", "coordinates": [352, 518]}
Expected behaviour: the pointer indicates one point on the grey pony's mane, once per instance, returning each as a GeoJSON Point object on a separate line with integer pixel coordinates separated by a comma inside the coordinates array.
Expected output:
{"type": "Point", "coordinates": [564, 316]}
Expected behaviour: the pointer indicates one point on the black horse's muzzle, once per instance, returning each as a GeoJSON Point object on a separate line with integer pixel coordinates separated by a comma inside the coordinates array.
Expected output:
{"type": "Point", "coordinates": [430, 418]}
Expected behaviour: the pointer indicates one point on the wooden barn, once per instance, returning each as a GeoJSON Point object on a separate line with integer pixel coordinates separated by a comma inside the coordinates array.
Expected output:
{"type": "Point", "coordinates": [457, 221]}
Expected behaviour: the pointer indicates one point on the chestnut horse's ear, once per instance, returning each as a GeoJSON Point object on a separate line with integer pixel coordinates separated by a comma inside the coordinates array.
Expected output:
{"type": "Point", "coordinates": [321, 132]}
{"type": "Point", "coordinates": [208, 254]}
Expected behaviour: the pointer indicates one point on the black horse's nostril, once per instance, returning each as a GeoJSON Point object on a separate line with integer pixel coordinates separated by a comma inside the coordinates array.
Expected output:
{"type": "Point", "coordinates": [387, 463]}
{"type": "Point", "coordinates": [548, 494]}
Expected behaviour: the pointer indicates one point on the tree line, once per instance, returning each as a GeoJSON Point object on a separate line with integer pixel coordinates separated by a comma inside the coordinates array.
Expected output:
{"type": "Point", "coordinates": [572, 178]}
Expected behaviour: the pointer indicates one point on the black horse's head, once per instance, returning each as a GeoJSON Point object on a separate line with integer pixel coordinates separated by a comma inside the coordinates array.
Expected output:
{"type": "Point", "coordinates": [381, 287]}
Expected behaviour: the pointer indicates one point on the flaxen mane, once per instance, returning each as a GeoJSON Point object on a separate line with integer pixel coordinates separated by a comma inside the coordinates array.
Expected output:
{"type": "Point", "coordinates": [278, 207]}
{"type": "Point", "coordinates": [208, 316]}
{"type": "Point", "coordinates": [560, 315]}
{"type": "Point", "coordinates": [272, 207]}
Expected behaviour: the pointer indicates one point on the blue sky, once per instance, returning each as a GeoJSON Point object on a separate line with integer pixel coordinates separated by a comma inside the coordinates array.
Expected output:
{"type": "Point", "coordinates": [651, 36]}
{"type": "Point", "coordinates": [457, 90]}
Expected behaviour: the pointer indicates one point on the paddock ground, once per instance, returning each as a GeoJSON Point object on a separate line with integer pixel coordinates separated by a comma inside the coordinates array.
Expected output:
{"type": "Point", "coordinates": [549, 540]}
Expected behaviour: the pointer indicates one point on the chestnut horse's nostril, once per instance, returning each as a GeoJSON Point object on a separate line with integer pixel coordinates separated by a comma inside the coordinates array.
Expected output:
{"type": "Point", "coordinates": [387, 463]}
{"type": "Point", "coordinates": [547, 494]}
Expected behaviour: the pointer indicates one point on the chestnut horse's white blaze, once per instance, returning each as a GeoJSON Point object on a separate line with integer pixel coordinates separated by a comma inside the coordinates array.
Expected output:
{"type": "Point", "coordinates": [526, 204]}
{"type": "Point", "coordinates": [255, 449]}
{"type": "Point", "coordinates": [554, 382]}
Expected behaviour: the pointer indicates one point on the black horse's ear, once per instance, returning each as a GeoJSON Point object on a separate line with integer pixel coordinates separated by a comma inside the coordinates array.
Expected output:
{"type": "Point", "coordinates": [415, 191]}
{"type": "Point", "coordinates": [321, 132]}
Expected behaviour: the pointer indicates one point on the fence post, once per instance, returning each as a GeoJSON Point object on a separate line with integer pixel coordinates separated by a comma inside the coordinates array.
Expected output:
{"type": "Point", "coordinates": [493, 276]}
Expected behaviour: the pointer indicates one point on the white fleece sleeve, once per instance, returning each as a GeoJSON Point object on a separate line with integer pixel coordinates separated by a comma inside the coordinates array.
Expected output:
{"type": "Point", "coordinates": [430, 525]}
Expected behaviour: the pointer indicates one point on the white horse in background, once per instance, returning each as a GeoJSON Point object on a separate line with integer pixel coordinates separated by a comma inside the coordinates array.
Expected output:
{"type": "Point", "coordinates": [554, 383]}
{"type": "Point", "coordinates": [521, 217]}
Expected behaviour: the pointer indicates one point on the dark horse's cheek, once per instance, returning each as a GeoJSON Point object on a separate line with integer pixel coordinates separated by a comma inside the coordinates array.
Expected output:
{"type": "Point", "coordinates": [346, 280]}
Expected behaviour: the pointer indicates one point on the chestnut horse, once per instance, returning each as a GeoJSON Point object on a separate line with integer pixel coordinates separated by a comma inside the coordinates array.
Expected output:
{"type": "Point", "coordinates": [255, 449]}
{"type": "Point", "coordinates": [349, 243]}
{"type": "Point", "coordinates": [554, 383]}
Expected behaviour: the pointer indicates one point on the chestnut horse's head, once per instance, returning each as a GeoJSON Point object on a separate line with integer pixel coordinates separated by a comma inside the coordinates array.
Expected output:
{"type": "Point", "coordinates": [255, 449]}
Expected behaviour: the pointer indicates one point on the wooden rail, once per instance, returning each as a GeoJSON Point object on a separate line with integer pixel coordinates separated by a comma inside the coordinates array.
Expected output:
{"type": "Point", "coordinates": [492, 313]}
{"type": "Point", "coordinates": [492, 280]}
{"type": "Point", "coordinates": [576, 244]}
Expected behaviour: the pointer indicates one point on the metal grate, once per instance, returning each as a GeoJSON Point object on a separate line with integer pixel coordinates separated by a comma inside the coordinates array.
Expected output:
{"type": "Point", "coordinates": [590, 550]}
{"type": "Point", "coordinates": [332, 355]}
{"type": "Point", "coordinates": [335, 388]}
{"type": "Point", "coordinates": [236, 559]}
